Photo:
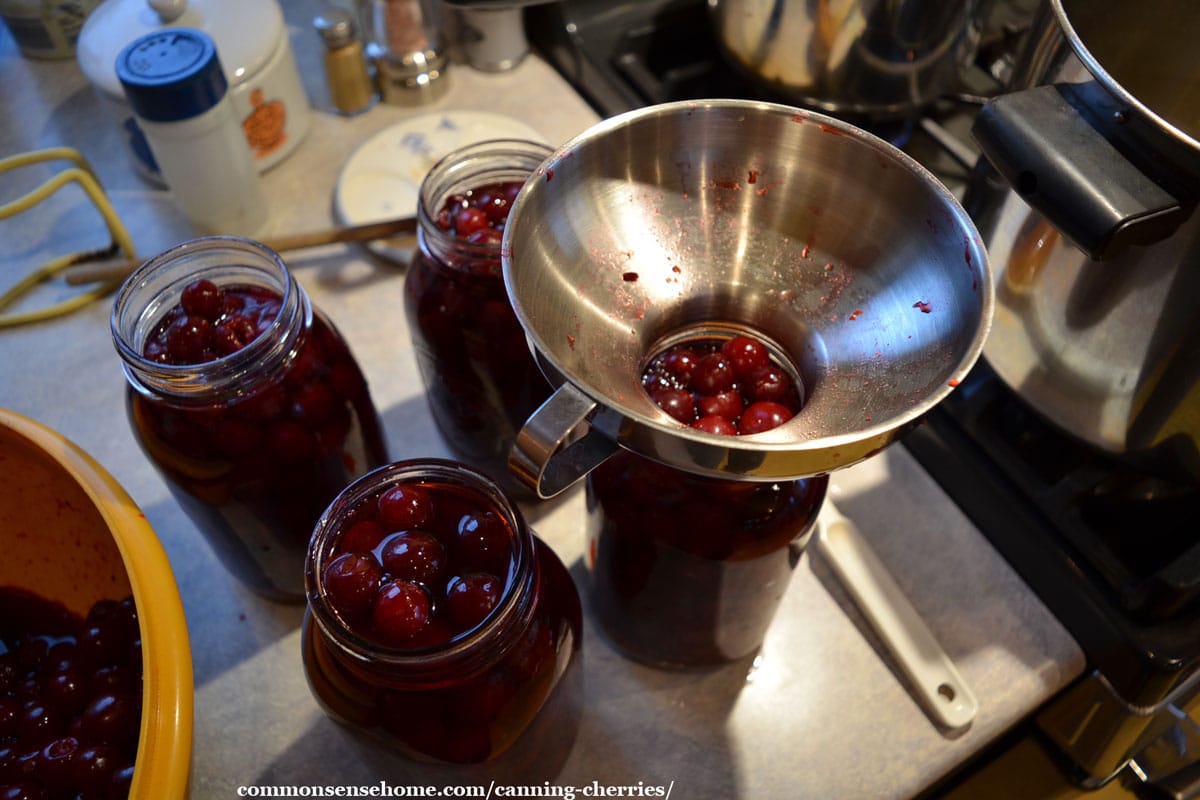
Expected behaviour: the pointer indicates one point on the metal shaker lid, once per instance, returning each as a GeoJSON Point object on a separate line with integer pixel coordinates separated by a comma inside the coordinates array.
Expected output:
{"type": "Point", "coordinates": [171, 75]}
{"type": "Point", "coordinates": [246, 33]}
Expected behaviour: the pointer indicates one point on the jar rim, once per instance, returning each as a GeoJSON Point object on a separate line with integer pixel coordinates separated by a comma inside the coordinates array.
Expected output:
{"type": "Point", "coordinates": [469, 167]}
{"type": "Point", "coordinates": [204, 257]}
{"type": "Point", "coordinates": [512, 609]}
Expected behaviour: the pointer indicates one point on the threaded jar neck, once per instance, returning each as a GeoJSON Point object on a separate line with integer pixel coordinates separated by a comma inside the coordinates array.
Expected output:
{"type": "Point", "coordinates": [463, 656]}
{"type": "Point", "coordinates": [459, 172]}
{"type": "Point", "coordinates": [157, 286]}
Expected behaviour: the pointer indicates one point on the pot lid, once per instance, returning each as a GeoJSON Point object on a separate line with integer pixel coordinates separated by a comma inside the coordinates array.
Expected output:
{"type": "Point", "coordinates": [245, 32]}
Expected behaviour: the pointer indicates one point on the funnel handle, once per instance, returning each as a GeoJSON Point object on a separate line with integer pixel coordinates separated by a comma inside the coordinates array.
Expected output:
{"type": "Point", "coordinates": [541, 455]}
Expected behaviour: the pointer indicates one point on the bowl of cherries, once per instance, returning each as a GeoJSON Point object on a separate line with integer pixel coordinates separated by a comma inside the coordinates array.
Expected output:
{"type": "Point", "coordinates": [95, 680]}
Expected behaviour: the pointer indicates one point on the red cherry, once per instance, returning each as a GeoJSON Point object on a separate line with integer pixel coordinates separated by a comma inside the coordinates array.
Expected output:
{"type": "Point", "coordinates": [715, 423]}
{"type": "Point", "coordinates": [202, 298]}
{"type": "Point", "coordinates": [313, 403]}
{"type": "Point", "coordinates": [56, 767]}
{"type": "Point", "coordinates": [468, 220]}
{"type": "Point", "coordinates": [680, 362]}
{"type": "Point", "coordinates": [93, 766]}
{"type": "Point", "coordinates": [187, 340]}
{"type": "Point", "coordinates": [402, 609]}
{"type": "Point", "coordinates": [233, 333]}
{"type": "Point", "coordinates": [470, 598]}
{"type": "Point", "coordinates": [236, 438]}
{"type": "Point", "coordinates": [362, 537]}
{"type": "Point", "coordinates": [351, 583]}
{"type": "Point", "coordinates": [763, 416]}
{"type": "Point", "coordinates": [726, 404]}
{"type": "Point", "coordinates": [772, 384]}
{"type": "Point", "coordinates": [485, 236]}
{"type": "Point", "coordinates": [747, 355]}
{"type": "Point", "coordinates": [66, 692]}
{"type": "Point", "coordinates": [414, 556]}
{"type": "Point", "coordinates": [482, 536]}
{"type": "Point", "coordinates": [291, 441]}
{"type": "Point", "coordinates": [111, 719]}
{"type": "Point", "coordinates": [679, 403]}
{"type": "Point", "coordinates": [404, 506]}
{"type": "Point", "coordinates": [713, 374]}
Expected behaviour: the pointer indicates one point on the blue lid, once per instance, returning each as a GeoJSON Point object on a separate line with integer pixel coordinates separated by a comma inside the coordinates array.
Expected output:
{"type": "Point", "coordinates": [171, 74]}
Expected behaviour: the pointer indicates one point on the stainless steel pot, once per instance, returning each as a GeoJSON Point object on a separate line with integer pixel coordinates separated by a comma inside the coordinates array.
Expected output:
{"type": "Point", "coordinates": [868, 58]}
{"type": "Point", "coordinates": [1089, 234]}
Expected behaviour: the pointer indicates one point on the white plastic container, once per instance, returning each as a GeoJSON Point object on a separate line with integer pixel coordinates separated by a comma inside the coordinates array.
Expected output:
{"type": "Point", "coordinates": [177, 90]}
{"type": "Point", "coordinates": [265, 88]}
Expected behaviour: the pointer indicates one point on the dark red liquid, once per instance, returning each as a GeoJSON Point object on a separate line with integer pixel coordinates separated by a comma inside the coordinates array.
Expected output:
{"type": "Point", "coordinates": [689, 570]}
{"type": "Point", "coordinates": [455, 714]}
{"type": "Point", "coordinates": [257, 470]}
{"type": "Point", "coordinates": [480, 378]}
{"type": "Point", "coordinates": [70, 698]}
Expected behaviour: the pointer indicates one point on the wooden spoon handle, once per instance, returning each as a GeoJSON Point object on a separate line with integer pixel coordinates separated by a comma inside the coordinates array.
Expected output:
{"type": "Point", "coordinates": [298, 241]}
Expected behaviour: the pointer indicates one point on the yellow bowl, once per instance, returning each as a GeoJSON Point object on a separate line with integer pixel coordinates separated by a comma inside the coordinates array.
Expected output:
{"type": "Point", "coordinates": [90, 542]}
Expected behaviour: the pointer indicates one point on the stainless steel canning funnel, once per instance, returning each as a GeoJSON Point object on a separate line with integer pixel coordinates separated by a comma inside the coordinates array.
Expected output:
{"type": "Point", "coordinates": [853, 262]}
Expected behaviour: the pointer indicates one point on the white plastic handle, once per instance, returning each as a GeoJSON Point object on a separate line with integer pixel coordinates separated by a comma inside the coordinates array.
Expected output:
{"type": "Point", "coordinates": [939, 686]}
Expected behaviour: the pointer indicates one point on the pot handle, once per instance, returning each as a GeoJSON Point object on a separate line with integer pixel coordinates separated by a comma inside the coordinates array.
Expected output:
{"type": "Point", "coordinates": [558, 445]}
{"type": "Point", "coordinates": [1060, 164]}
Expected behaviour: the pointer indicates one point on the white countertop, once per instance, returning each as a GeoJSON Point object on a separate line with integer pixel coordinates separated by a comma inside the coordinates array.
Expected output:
{"type": "Point", "coordinates": [823, 714]}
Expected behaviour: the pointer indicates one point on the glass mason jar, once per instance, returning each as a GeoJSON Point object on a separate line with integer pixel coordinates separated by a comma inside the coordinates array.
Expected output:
{"type": "Point", "coordinates": [480, 377]}
{"type": "Point", "coordinates": [688, 570]}
{"type": "Point", "coordinates": [501, 689]}
{"type": "Point", "coordinates": [246, 399]}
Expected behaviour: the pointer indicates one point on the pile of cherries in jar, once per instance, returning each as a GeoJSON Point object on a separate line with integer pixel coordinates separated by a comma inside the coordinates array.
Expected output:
{"type": "Point", "coordinates": [70, 699]}
{"type": "Point", "coordinates": [305, 415]}
{"type": "Point", "coordinates": [731, 387]}
{"type": "Point", "coordinates": [419, 566]}
{"type": "Point", "coordinates": [478, 215]}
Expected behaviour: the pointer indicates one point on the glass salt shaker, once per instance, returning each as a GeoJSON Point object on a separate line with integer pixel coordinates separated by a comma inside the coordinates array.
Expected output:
{"type": "Point", "coordinates": [247, 400]}
{"type": "Point", "coordinates": [349, 83]}
{"type": "Point", "coordinates": [481, 380]}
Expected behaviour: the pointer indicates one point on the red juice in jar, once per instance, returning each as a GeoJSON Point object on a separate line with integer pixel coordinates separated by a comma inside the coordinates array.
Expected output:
{"type": "Point", "coordinates": [688, 570]}
{"type": "Point", "coordinates": [439, 628]}
{"type": "Point", "coordinates": [480, 378]}
{"type": "Point", "coordinates": [246, 399]}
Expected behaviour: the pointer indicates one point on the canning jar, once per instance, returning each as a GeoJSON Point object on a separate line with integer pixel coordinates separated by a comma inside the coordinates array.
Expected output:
{"type": "Point", "coordinates": [480, 377]}
{"type": "Point", "coordinates": [688, 570]}
{"type": "Point", "coordinates": [439, 627]}
{"type": "Point", "coordinates": [246, 399]}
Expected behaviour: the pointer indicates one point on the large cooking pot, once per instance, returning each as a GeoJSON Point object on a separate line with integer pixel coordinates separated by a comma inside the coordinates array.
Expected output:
{"type": "Point", "coordinates": [1093, 245]}
{"type": "Point", "coordinates": [875, 59]}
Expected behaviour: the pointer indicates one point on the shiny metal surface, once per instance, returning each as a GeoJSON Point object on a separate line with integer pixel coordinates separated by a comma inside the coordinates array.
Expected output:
{"type": "Point", "coordinates": [844, 254]}
{"type": "Point", "coordinates": [1108, 350]}
{"type": "Point", "coordinates": [870, 57]}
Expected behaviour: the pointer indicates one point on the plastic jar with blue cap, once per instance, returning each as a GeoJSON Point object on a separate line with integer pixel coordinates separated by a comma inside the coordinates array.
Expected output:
{"type": "Point", "coordinates": [178, 91]}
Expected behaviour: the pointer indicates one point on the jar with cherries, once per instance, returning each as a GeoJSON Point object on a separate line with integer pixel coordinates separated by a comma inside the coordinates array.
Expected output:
{"type": "Point", "coordinates": [246, 399]}
{"type": "Point", "coordinates": [481, 380]}
{"type": "Point", "coordinates": [439, 628]}
{"type": "Point", "coordinates": [689, 570]}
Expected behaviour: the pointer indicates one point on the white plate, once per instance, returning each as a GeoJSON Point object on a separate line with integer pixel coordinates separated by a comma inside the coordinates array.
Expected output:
{"type": "Point", "coordinates": [382, 178]}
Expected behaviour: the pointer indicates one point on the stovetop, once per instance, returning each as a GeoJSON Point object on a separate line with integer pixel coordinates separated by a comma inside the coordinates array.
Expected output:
{"type": "Point", "coordinates": [1112, 552]}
